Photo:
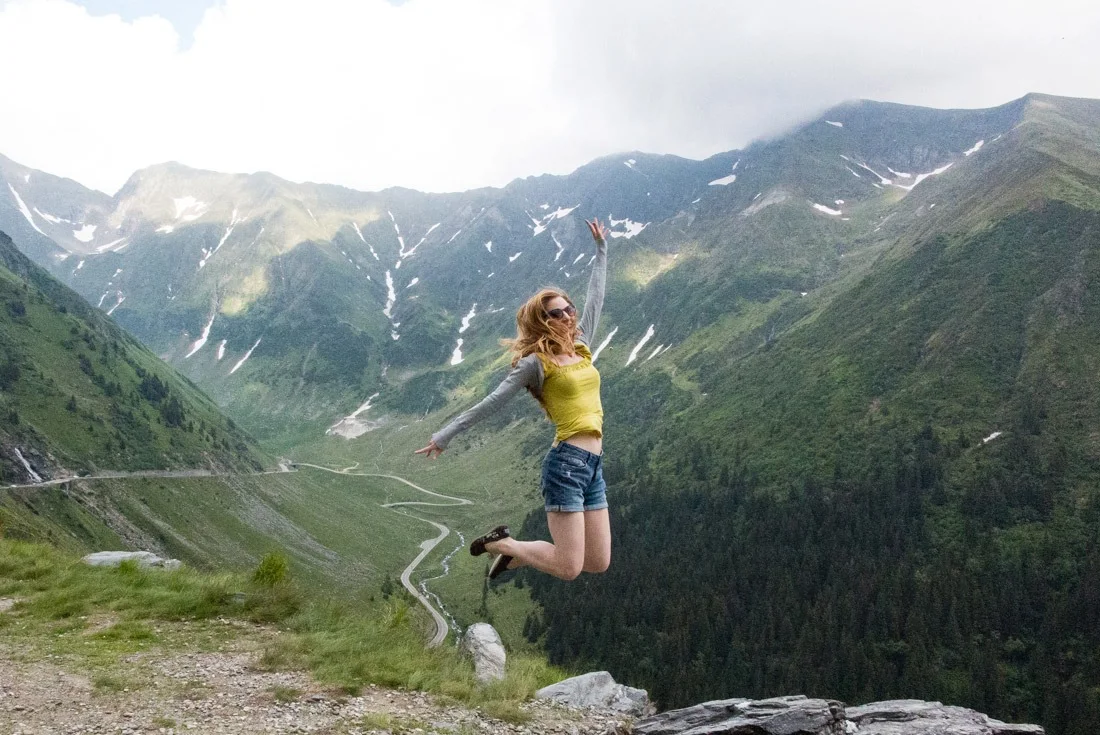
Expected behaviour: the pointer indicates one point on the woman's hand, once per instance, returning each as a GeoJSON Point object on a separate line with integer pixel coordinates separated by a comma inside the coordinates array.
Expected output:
{"type": "Point", "coordinates": [429, 450]}
{"type": "Point", "coordinates": [599, 232]}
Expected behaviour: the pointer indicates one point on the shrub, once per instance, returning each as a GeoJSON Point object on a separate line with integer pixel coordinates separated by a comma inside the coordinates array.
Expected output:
{"type": "Point", "coordinates": [273, 571]}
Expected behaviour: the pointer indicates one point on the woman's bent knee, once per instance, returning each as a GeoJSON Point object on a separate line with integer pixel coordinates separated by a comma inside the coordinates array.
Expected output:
{"type": "Point", "coordinates": [570, 573]}
{"type": "Point", "coordinates": [598, 567]}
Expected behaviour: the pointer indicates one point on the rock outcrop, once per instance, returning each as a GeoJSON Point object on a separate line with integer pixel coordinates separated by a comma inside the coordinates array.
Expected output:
{"type": "Point", "coordinates": [798, 715]}
{"type": "Point", "coordinates": [916, 717]}
{"type": "Point", "coordinates": [598, 690]}
{"type": "Point", "coordinates": [483, 643]}
{"type": "Point", "coordinates": [144, 559]}
{"type": "Point", "coordinates": [795, 715]}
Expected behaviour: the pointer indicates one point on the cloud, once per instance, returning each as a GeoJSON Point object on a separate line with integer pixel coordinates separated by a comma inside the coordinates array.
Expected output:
{"type": "Point", "coordinates": [453, 94]}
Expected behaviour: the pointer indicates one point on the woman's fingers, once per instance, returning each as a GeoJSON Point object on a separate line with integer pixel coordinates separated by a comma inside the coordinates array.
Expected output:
{"type": "Point", "coordinates": [598, 230]}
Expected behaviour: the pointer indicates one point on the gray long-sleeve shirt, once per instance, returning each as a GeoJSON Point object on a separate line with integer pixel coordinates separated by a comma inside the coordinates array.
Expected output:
{"type": "Point", "coordinates": [528, 372]}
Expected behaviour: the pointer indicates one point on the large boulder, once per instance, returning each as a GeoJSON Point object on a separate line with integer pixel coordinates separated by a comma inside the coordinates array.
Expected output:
{"type": "Point", "coordinates": [916, 717]}
{"type": "Point", "coordinates": [794, 715]}
{"type": "Point", "coordinates": [144, 559]}
{"type": "Point", "coordinates": [483, 643]}
{"type": "Point", "coordinates": [598, 689]}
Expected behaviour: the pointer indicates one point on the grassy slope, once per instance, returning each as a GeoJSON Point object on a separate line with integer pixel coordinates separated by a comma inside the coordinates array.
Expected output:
{"type": "Point", "coordinates": [74, 387]}
{"type": "Point", "coordinates": [95, 619]}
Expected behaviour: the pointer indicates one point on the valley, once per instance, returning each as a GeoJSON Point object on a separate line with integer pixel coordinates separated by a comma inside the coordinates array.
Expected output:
{"type": "Point", "coordinates": [848, 384]}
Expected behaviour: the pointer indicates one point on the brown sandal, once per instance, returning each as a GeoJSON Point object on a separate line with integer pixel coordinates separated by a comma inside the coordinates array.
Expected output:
{"type": "Point", "coordinates": [477, 546]}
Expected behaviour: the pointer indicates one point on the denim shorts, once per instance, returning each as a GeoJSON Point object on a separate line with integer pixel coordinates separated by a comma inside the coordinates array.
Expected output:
{"type": "Point", "coordinates": [572, 480]}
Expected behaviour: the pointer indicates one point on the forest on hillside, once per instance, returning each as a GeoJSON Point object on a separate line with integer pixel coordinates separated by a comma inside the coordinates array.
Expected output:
{"type": "Point", "coordinates": [860, 532]}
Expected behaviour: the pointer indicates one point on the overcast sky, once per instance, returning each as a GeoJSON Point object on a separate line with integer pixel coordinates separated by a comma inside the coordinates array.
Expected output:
{"type": "Point", "coordinates": [444, 95]}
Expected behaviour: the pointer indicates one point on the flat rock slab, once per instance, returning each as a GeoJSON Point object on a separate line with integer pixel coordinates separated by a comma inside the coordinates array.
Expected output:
{"type": "Point", "coordinates": [796, 715]}
{"type": "Point", "coordinates": [917, 717]}
{"type": "Point", "coordinates": [144, 559]}
{"type": "Point", "coordinates": [599, 690]}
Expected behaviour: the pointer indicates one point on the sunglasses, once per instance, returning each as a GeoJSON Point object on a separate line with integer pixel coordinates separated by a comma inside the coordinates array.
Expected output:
{"type": "Point", "coordinates": [560, 313]}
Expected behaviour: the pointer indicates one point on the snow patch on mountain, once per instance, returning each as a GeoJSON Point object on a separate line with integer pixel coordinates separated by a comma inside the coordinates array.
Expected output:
{"type": "Point", "coordinates": [351, 426]}
{"type": "Point", "coordinates": [51, 218]}
{"type": "Point", "coordinates": [976, 147]}
{"type": "Point", "coordinates": [512, 258]}
{"type": "Point", "coordinates": [221, 349]}
{"type": "Point", "coordinates": [727, 180]}
{"type": "Point", "coordinates": [489, 246]}
{"type": "Point", "coordinates": [826, 210]}
{"type": "Point", "coordinates": [468, 318]}
{"type": "Point", "coordinates": [456, 356]}
{"type": "Point", "coordinates": [922, 177]}
{"type": "Point", "coordinates": [23, 208]}
{"type": "Point", "coordinates": [882, 179]}
{"type": "Point", "coordinates": [853, 173]}
{"type": "Point", "coordinates": [197, 344]}
{"type": "Point", "coordinates": [414, 247]}
{"type": "Point", "coordinates": [605, 343]}
{"type": "Point", "coordinates": [400, 239]}
{"type": "Point", "coordinates": [85, 233]}
{"type": "Point", "coordinates": [233, 222]}
{"type": "Point", "coordinates": [539, 226]}
{"type": "Point", "coordinates": [899, 174]}
{"type": "Point", "coordinates": [246, 356]}
{"type": "Point", "coordinates": [641, 343]}
{"type": "Point", "coordinates": [558, 245]}
{"type": "Point", "coordinates": [360, 234]}
{"type": "Point", "coordinates": [113, 244]}
{"type": "Point", "coordinates": [413, 282]}
{"type": "Point", "coordinates": [632, 229]}
{"type": "Point", "coordinates": [118, 303]}
{"type": "Point", "coordinates": [834, 124]}
{"type": "Point", "coordinates": [391, 296]}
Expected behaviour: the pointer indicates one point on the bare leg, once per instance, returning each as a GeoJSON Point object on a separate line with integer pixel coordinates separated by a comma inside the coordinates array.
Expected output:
{"type": "Point", "coordinates": [597, 541]}
{"type": "Point", "coordinates": [564, 558]}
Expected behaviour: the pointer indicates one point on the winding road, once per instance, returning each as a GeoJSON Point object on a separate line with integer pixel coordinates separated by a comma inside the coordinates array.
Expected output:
{"type": "Point", "coordinates": [426, 546]}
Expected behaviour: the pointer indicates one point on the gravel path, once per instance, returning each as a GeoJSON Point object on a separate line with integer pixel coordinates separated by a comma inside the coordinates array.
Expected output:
{"type": "Point", "coordinates": [223, 692]}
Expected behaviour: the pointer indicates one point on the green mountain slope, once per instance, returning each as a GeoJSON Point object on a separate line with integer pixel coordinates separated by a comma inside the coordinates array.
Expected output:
{"type": "Point", "coordinates": [887, 488]}
{"type": "Point", "coordinates": [79, 394]}
{"type": "Point", "coordinates": [811, 346]}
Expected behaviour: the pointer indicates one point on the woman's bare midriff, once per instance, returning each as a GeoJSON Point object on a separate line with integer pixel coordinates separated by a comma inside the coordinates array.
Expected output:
{"type": "Point", "coordinates": [587, 441]}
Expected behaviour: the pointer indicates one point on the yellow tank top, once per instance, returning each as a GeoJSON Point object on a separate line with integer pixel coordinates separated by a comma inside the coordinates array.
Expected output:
{"type": "Point", "coordinates": [571, 395]}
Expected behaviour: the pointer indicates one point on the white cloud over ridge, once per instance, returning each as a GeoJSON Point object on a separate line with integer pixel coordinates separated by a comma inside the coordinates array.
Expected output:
{"type": "Point", "coordinates": [451, 94]}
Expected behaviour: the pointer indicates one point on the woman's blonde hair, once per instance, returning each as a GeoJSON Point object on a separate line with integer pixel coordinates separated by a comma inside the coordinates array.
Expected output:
{"type": "Point", "coordinates": [537, 332]}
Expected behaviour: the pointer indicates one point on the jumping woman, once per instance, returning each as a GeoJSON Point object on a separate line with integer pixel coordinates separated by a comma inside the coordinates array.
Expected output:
{"type": "Point", "coordinates": [552, 359]}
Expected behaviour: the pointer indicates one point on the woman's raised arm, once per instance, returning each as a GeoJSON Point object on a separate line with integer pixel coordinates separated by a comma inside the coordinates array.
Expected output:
{"type": "Point", "coordinates": [593, 300]}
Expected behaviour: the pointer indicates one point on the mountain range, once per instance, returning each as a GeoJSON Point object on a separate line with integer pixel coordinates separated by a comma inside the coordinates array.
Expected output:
{"type": "Point", "coordinates": [849, 375]}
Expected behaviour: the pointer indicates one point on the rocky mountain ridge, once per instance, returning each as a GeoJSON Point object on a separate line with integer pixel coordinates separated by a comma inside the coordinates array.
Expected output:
{"type": "Point", "coordinates": [215, 270]}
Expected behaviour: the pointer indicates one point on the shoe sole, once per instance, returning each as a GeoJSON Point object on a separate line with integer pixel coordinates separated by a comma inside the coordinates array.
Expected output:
{"type": "Point", "coordinates": [499, 566]}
